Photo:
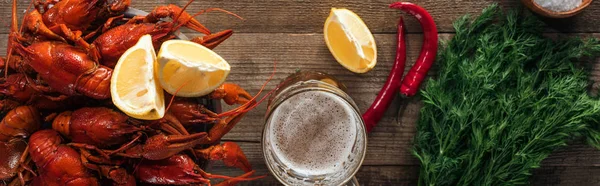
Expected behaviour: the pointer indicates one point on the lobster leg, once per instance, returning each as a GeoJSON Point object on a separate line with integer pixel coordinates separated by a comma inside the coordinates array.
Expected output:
{"type": "Point", "coordinates": [18, 64]}
{"type": "Point", "coordinates": [7, 105]}
{"type": "Point", "coordinates": [211, 41]}
{"type": "Point", "coordinates": [115, 173]}
{"type": "Point", "coordinates": [74, 36]}
{"type": "Point", "coordinates": [22, 179]}
{"type": "Point", "coordinates": [110, 22]}
{"type": "Point", "coordinates": [90, 147]}
{"type": "Point", "coordinates": [171, 125]}
{"type": "Point", "coordinates": [231, 154]}
{"type": "Point", "coordinates": [24, 162]}
{"type": "Point", "coordinates": [85, 155]}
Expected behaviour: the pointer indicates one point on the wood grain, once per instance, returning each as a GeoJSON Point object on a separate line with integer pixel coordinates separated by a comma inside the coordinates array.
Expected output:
{"type": "Point", "coordinates": [288, 33]}
{"type": "Point", "coordinates": [567, 166]}
{"type": "Point", "coordinates": [308, 16]}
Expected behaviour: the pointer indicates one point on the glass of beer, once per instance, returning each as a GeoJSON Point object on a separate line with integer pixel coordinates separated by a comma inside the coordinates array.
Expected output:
{"type": "Point", "coordinates": [314, 133]}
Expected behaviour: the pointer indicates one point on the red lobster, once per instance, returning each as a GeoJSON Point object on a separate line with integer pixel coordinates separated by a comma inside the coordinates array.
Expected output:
{"type": "Point", "coordinates": [17, 125]}
{"type": "Point", "coordinates": [180, 169]}
{"type": "Point", "coordinates": [225, 122]}
{"type": "Point", "coordinates": [69, 18]}
{"type": "Point", "coordinates": [57, 164]}
{"type": "Point", "coordinates": [109, 46]}
{"type": "Point", "coordinates": [71, 70]}
{"type": "Point", "coordinates": [67, 69]}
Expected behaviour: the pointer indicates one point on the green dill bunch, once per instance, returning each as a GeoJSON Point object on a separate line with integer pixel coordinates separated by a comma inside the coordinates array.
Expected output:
{"type": "Point", "coordinates": [505, 97]}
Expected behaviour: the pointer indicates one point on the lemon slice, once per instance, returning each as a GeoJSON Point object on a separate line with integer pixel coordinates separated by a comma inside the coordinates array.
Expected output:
{"type": "Point", "coordinates": [133, 85]}
{"type": "Point", "coordinates": [188, 69]}
{"type": "Point", "coordinates": [350, 41]}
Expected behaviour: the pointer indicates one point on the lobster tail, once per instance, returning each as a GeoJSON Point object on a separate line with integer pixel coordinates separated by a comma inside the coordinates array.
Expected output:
{"type": "Point", "coordinates": [62, 122]}
{"type": "Point", "coordinates": [19, 123]}
{"type": "Point", "coordinates": [99, 79]}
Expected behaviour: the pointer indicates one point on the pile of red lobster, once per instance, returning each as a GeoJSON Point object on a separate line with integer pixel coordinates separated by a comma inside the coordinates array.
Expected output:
{"type": "Point", "coordinates": [61, 128]}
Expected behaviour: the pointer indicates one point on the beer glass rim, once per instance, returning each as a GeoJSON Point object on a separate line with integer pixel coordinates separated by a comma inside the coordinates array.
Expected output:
{"type": "Point", "coordinates": [302, 86]}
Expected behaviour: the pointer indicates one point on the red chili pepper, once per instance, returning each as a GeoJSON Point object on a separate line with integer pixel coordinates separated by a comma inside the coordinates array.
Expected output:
{"type": "Point", "coordinates": [410, 85]}
{"type": "Point", "coordinates": [416, 75]}
{"type": "Point", "coordinates": [372, 116]}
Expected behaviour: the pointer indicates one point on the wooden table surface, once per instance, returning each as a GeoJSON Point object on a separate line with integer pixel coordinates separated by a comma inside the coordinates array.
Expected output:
{"type": "Point", "coordinates": [289, 32]}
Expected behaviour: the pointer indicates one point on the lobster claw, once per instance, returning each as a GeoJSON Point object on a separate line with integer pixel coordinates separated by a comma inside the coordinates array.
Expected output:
{"type": "Point", "coordinates": [225, 125]}
{"type": "Point", "coordinates": [178, 13]}
{"type": "Point", "coordinates": [231, 93]}
{"type": "Point", "coordinates": [213, 40]}
{"type": "Point", "coordinates": [118, 175]}
{"type": "Point", "coordinates": [161, 146]}
{"type": "Point", "coordinates": [231, 154]}
{"type": "Point", "coordinates": [33, 22]}
{"type": "Point", "coordinates": [119, 6]}
{"type": "Point", "coordinates": [178, 169]}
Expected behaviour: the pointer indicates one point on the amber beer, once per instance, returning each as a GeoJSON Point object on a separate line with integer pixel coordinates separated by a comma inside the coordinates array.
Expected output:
{"type": "Point", "coordinates": [313, 134]}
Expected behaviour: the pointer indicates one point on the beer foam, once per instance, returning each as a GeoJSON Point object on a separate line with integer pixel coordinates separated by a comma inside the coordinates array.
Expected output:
{"type": "Point", "coordinates": [313, 132]}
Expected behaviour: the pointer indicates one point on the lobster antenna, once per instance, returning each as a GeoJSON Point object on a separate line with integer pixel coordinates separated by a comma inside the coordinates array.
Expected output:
{"type": "Point", "coordinates": [180, 13]}
{"type": "Point", "coordinates": [13, 33]}
{"type": "Point", "coordinates": [188, 20]}
{"type": "Point", "coordinates": [176, 91]}
{"type": "Point", "coordinates": [266, 95]}
{"type": "Point", "coordinates": [137, 166]}
{"type": "Point", "coordinates": [220, 10]}
{"type": "Point", "coordinates": [239, 109]}
{"type": "Point", "coordinates": [27, 10]}
{"type": "Point", "coordinates": [206, 11]}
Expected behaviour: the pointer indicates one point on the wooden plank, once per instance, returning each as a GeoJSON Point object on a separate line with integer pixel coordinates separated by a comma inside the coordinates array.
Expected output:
{"type": "Point", "coordinates": [251, 56]}
{"type": "Point", "coordinates": [408, 175]}
{"type": "Point", "coordinates": [308, 16]}
{"type": "Point", "coordinates": [551, 173]}
{"type": "Point", "coordinates": [367, 175]}
{"type": "Point", "coordinates": [566, 176]}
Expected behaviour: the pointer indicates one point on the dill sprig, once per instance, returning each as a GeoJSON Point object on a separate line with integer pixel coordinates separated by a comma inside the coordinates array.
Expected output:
{"type": "Point", "coordinates": [504, 99]}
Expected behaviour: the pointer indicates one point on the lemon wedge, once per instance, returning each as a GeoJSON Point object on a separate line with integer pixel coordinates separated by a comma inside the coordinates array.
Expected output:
{"type": "Point", "coordinates": [133, 86]}
{"type": "Point", "coordinates": [188, 69]}
{"type": "Point", "coordinates": [350, 41]}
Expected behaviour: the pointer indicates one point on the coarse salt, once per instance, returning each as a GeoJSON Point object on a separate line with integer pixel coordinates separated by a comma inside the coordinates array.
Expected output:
{"type": "Point", "coordinates": [559, 5]}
